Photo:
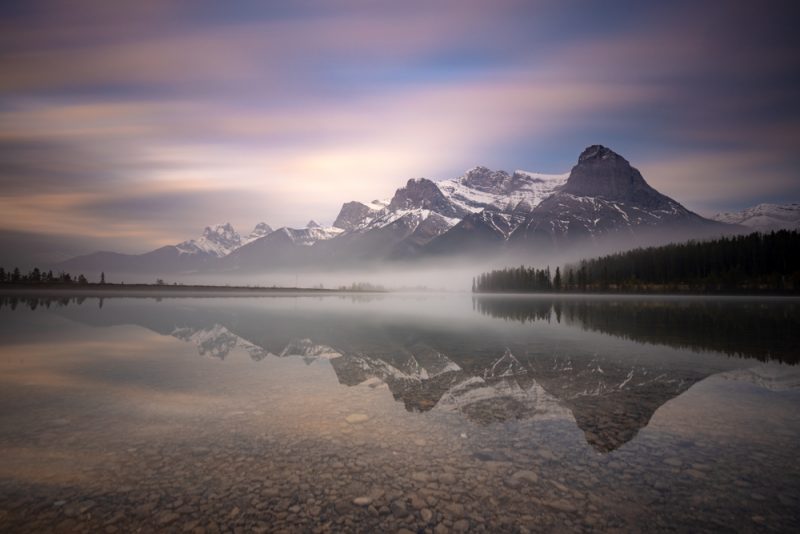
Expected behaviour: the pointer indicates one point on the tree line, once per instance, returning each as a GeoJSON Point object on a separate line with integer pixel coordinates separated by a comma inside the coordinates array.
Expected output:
{"type": "Point", "coordinates": [38, 276]}
{"type": "Point", "coordinates": [518, 279]}
{"type": "Point", "coordinates": [738, 264]}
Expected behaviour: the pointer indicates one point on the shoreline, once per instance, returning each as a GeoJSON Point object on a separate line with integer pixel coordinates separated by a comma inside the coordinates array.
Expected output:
{"type": "Point", "coordinates": [146, 290]}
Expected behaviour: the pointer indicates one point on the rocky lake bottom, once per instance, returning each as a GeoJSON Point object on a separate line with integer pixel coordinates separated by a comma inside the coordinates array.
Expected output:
{"type": "Point", "coordinates": [181, 416]}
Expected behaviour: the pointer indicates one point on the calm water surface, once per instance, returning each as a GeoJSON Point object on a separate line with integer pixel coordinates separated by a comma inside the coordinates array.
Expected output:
{"type": "Point", "coordinates": [377, 414]}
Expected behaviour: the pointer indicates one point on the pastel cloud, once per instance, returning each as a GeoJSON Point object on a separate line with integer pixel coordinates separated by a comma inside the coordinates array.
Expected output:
{"type": "Point", "coordinates": [358, 150]}
{"type": "Point", "coordinates": [145, 123]}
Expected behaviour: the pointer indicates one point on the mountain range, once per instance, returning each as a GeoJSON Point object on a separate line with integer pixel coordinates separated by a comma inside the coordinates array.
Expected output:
{"type": "Point", "coordinates": [765, 217]}
{"type": "Point", "coordinates": [480, 212]}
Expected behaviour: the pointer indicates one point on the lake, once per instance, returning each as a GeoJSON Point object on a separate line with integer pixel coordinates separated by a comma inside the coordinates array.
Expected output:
{"type": "Point", "coordinates": [379, 413]}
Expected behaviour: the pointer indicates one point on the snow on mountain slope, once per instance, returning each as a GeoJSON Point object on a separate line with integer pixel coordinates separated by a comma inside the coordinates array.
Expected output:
{"type": "Point", "coordinates": [261, 229]}
{"type": "Point", "coordinates": [310, 234]}
{"type": "Point", "coordinates": [218, 342]}
{"type": "Point", "coordinates": [480, 188]}
{"type": "Point", "coordinates": [477, 189]}
{"type": "Point", "coordinates": [309, 350]}
{"type": "Point", "coordinates": [583, 215]}
{"type": "Point", "coordinates": [218, 240]}
{"type": "Point", "coordinates": [413, 217]}
{"type": "Point", "coordinates": [771, 377]}
{"type": "Point", "coordinates": [765, 217]}
{"type": "Point", "coordinates": [604, 194]}
{"type": "Point", "coordinates": [417, 213]}
{"type": "Point", "coordinates": [490, 401]}
{"type": "Point", "coordinates": [355, 216]}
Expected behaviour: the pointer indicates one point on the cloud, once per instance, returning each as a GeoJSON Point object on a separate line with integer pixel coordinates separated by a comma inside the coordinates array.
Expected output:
{"type": "Point", "coordinates": [110, 166]}
{"type": "Point", "coordinates": [262, 52]}
{"type": "Point", "coordinates": [710, 182]}
{"type": "Point", "coordinates": [128, 122]}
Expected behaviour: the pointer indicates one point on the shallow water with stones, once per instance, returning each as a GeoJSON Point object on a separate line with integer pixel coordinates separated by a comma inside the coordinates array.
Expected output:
{"type": "Point", "coordinates": [399, 413]}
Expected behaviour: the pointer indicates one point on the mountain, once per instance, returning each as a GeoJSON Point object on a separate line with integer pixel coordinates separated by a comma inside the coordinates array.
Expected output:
{"type": "Point", "coordinates": [482, 188]}
{"type": "Point", "coordinates": [481, 211]}
{"type": "Point", "coordinates": [284, 247]}
{"type": "Point", "coordinates": [765, 217]}
{"type": "Point", "coordinates": [216, 242]}
{"type": "Point", "coordinates": [604, 195]}
{"type": "Point", "coordinates": [261, 229]}
{"type": "Point", "coordinates": [355, 215]}
{"type": "Point", "coordinates": [411, 223]}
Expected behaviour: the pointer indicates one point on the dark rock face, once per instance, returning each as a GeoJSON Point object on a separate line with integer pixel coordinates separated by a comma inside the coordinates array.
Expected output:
{"type": "Point", "coordinates": [276, 248]}
{"type": "Point", "coordinates": [497, 182]}
{"type": "Point", "coordinates": [261, 229]}
{"type": "Point", "coordinates": [484, 179]}
{"type": "Point", "coordinates": [603, 173]}
{"type": "Point", "coordinates": [605, 195]}
{"type": "Point", "coordinates": [352, 215]}
{"type": "Point", "coordinates": [426, 231]}
{"type": "Point", "coordinates": [422, 193]}
{"type": "Point", "coordinates": [476, 233]}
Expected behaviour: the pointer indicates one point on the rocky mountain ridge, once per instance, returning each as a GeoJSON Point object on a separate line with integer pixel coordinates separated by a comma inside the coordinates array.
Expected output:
{"type": "Point", "coordinates": [603, 195]}
{"type": "Point", "coordinates": [764, 217]}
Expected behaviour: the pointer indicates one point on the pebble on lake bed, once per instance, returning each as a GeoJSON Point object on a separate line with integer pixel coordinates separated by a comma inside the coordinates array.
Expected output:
{"type": "Point", "coordinates": [355, 418]}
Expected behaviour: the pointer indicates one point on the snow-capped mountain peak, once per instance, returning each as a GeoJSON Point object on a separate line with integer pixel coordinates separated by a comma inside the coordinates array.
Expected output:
{"type": "Point", "coordinates": [261, 229]}
{"type": "Point", "coordinates": [218, 240]}
{"type": "Point", "coordinates": [421, 193]}
{"type": "Point", "coordinates": [356, 215]}
{"type": "Point", "coordinates": [311, 234]}
{"type": "Point", "coordinates": [602, 196]}
{"type": "Point", "coordinates": [765, 217]}
{"type": "Point", "coordinates": [481, 188]}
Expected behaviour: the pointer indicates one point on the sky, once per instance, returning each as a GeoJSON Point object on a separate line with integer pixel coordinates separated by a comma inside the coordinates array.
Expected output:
{"type": "Point", "coordinates": [130, 125]}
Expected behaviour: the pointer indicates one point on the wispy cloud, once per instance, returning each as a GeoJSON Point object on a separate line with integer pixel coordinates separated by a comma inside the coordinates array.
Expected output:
{"type": "Point", "coordinates": [116, 121]}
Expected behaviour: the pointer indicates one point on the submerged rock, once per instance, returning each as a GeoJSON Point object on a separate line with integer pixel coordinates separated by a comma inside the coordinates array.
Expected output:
{"type": "Point", "coordinates": [362, 501]}
{"type": "Point", "coordinates": [521, 477]}
{"type": "Point", "coordinates": [356, 418]}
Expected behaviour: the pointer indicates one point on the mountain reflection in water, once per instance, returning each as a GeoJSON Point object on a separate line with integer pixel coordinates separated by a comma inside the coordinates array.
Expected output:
{"type": "Point", "coordinates": [537, 363]}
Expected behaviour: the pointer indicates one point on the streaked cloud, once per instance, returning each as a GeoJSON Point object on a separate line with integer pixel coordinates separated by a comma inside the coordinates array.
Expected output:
{"type": "Point", "coordinates": [144, 123]}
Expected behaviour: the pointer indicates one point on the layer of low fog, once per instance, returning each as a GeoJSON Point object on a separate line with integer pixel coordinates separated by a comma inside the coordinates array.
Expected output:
{"type": "Point", "coordinates": [422, 274]}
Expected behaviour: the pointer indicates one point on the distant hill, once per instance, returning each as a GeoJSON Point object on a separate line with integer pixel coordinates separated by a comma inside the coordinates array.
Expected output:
{"type": "Point", "coordinates": [765, 217]}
